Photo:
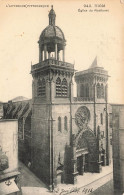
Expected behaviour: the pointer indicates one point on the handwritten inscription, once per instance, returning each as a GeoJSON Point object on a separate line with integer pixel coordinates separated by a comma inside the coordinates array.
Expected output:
{"type": "Point", "coordinates": [75, 190]}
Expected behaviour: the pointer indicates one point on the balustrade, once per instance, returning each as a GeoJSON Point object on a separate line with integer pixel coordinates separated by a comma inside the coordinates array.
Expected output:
{"type": "Point", "coordinates": [83, 99]}
{"type": "Point", "coordinates": [52, 62]}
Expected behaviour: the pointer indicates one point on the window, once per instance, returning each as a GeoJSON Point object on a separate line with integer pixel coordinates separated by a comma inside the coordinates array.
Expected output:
{"type": "Point", "coordinates": [61, 88]}
{"type": "Point", "coordinates": [58, 87]}
{"type": "Point", "coordinates": [59, 123]}
{"type": "Point", "coordinates": [98, 91]}
{"type": "Point", "coordinates": [110, 120]}
{"type": "Point", "coordinates": [102, 91]}
{"type": "Point", "coordinates": [106, 92]}
{"type": "Point", "coordinates": [87, 91]}
{"type": "Point", "coordinates": [101, 118]}
{"type": "Point", "coordinates": [102, 134]}
{"type": "Point", "coordinates": [92, 91]}
{"type": "Point", "coordinates": [82, 90]}
{"type": "Point", "coordinates": [64, 88]}
{"type": "Point", "coordinates": [41, 89]}
{"type": "Point", "coordinates": [65, 123]}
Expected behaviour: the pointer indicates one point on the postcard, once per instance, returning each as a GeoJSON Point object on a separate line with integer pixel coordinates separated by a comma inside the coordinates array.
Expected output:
{"type": "Point", "coordinates": [61, 74]}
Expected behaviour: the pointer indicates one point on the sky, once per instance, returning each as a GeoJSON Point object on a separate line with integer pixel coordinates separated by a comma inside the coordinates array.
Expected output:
{"type": "Point", "coordinates": [88, 34]}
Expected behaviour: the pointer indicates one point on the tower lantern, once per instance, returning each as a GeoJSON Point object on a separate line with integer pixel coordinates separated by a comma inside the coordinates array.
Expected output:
{"type": "Point", "coordinates": [52, 41]}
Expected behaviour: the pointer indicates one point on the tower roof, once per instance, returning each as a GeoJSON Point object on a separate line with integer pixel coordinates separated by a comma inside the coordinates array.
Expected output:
{"type": "Point", "coordinates": [52, 32]}
{"type": "Point", "coordinates": [94, 63]}
{"type": "Point", "coordinates": [94, 68]}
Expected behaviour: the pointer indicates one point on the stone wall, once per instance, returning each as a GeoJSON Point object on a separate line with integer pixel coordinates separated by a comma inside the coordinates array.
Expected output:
{"type": "Point", "coordinates": [41, 142]}
{"type": "Point", "coordinates": [61, 139]}
{"type": "Point", "coordinates": [118, 147]}
{"type": "Point", "coordinates": [21, 111]}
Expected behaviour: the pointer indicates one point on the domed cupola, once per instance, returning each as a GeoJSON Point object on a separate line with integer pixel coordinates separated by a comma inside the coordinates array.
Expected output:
{"type": "Point", "coordinates": [52, 32]}
{"type": "Point", "coordinates": [52, 40]}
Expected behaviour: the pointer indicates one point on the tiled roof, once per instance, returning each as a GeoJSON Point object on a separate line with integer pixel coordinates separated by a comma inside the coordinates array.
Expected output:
{"type": "Point", "coordinates": [17, 109]}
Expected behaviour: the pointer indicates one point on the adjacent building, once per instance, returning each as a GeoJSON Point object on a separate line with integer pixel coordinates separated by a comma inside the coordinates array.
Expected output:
{"type": "Point", "coordinates": [118, 147]}
{"type": "Point", "coordinates": [9, 174]}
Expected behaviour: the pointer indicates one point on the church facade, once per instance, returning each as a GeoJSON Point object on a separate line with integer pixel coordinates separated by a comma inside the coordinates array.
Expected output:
{"type": "Point", "coordinates": [67, 136]}
{"type": "Point", "coordinates": [70, 135]}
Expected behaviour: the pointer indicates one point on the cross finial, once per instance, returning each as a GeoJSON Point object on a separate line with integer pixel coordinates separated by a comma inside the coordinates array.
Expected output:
{"type": "Point", "coordinates": [51, 6]}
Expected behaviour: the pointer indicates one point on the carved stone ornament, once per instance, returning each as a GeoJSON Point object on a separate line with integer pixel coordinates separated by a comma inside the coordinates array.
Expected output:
{"type": "Point", "coordinates": [82, 117]}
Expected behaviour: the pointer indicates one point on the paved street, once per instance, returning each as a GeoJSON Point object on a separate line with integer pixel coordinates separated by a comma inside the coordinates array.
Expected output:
{"type": "Point", "coordinates": [106, 189]}
{"type": "Point", "coordinates": [85, 184]}
{"type": "Point", "coordinates": [30, 183]}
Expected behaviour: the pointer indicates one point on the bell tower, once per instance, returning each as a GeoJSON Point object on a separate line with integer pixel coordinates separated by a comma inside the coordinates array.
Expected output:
{"type": "Point", "coordinates": [51, 94]}
{"type": "Point", "coordinates": [92, 89]}
{"type": "Point", "coordinates": [52, 66]}
{"type": "Point", "coordinates": [92, 84]}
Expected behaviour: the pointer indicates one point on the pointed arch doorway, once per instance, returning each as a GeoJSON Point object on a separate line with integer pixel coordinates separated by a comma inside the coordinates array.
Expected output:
{"type": "Point", "coordinates": [82, 163]}
{"type": "Point", "coordinates": [86, 152]}
{"type": "Point", "coordinates": [82, 156]}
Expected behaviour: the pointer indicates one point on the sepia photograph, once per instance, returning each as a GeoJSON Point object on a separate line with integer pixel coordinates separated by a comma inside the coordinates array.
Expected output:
{"type": "Point", "coordinates": [61, 97]}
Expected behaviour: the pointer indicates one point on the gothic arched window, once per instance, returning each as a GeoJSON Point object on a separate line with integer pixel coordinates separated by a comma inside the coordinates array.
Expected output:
{"type": "Point", "coordinates": [82, 90]}
{"type": "Point", "coordinates": [98, 91]}
{"type": "Point", "coordinates": [58, 87]}
{"type": "Point", "coordinates": [87, 91]}
{"type": "Point", "coordinates": [84, 93]}
{"type": "Point", "coordinates": [102, 91]}
{"type": "Point", "coordinates": [92, 91]}
{"type": "Point", "coordinates": [106, 92]}
{"type": "Point", "coordinates": [59, 123]}
{"type": "Point", "coordinates": [101, 118]}
{"type": "Point", "coordinates": [41, 88]}
{"type": "Point", "coordinates": [65, 123]}
{"type": "Point", "coordinates": [64, 88]}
